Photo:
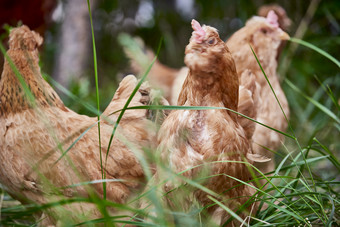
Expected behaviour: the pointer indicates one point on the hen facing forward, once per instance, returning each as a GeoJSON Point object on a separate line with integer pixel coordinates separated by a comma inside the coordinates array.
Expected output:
{"type": "Point", "coordinates": [189, 138]}
{"type": "Point", "coordinates": [256, 97]}
{"type": "Point", "coordinates": [33, 135]}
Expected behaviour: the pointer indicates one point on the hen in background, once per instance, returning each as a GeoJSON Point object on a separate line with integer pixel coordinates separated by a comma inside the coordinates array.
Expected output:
{"type": "Point", "coordinates": [283, 19]}
{"type": "Point", "coordinates": [265, 37]}
{"type": "Point", "coordinates": [34, 133]}
{"type": "Point", "coordinates": [160, 76]}
{"type": "Point", "coordinates": [189, 138]}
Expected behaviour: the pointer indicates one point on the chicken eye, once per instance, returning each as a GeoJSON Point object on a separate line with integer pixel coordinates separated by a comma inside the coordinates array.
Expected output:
{"type": "Point", "coordinates": [212, 41]}
{"type": "Point", "coordinates": [264, 31]}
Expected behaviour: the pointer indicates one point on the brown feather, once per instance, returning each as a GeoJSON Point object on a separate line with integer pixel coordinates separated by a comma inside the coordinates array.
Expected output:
{"type": "Point", "coordinates": [192, 137]}
{"type": "Point", "coordinates": [32, 138]}
{"type": "Point", "coordinates": [265, 40]}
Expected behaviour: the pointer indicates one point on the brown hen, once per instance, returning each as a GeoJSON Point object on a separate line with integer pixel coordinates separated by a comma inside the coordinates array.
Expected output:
{"type": "Point", "coordinates": [283, 19]}
{"type": "Point", "coordinates": [189, 138]}
{"type": "Point", "coordinates": [256, 97]}
{"type": "Point", "coordinates": [265, 36]}
{"type": "Point", "coordinates": [33, 135]}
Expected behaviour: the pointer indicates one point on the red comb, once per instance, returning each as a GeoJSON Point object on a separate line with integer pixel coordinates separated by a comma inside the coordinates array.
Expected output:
{"type": "Point", "coordinates": [198, 33]}
{"type": "Point", "coordinates": [272, 19]}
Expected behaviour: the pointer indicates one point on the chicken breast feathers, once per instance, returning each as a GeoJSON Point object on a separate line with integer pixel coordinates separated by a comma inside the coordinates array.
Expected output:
{"type": "Point", "coordinates": [191, 139]}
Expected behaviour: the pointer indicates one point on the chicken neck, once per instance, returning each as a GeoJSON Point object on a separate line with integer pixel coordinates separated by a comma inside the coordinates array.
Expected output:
{"type": "Point", "coordinates": [213, 89]}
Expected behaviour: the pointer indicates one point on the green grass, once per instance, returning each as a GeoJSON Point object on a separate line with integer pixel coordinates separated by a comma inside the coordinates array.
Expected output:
{"type": "Point", "coordinates": [304, 189]}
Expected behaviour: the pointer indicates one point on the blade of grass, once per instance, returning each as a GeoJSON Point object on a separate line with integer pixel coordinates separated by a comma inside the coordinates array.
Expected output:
{"type": "Point", "coordinates": [316, 103]}
{"type": "Point", "coordinates": [128, 102]}
{"type": "Point", "coordinates": [334, 159]}
{"type": "Point", "coordinates": [265, 75]}
{"type": "Point", "coordinates": [93, 182]}
{"type": "Point", "coordinates": [331, 216]}
{"type": "Point", "coordinates": [102, 209]}
{"type": "Point", "coordinates": [97, 95]}
{"type": "Point", "coordinates": [329, 92]}
{"type": "Point", "coordinates": [72, 96]}
{"type": "Point", "coordinates": [232, 213]}
{"type": "Point", "coordinates": [289, 124]}
{"type": "Point", "coordinates": [74, 142]}
{"type": "Point", "coordinates": [317, 49]}
{"type": "Point", "coordinates": [156, 107]}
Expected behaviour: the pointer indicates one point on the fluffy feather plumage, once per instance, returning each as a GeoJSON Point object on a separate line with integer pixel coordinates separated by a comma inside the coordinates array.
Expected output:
{"type": "Point", "coordinates": [32, 137]}
{"type": "Point", "coordinates": [255, 95]}
{"type": "Point", "coordinates": [192, 137]}
{"type": "Point", "coordinates": [283, 19]}
{"type": "Point", "coordinates": [265, 38]}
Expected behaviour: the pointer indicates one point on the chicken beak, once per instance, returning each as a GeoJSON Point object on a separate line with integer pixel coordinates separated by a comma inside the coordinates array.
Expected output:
{"type": "Point", "coordinates": [284, 36]}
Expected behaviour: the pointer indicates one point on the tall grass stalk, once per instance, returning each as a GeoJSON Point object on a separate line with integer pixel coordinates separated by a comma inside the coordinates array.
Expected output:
{"type": "Point", "coordinates": [97, 95]}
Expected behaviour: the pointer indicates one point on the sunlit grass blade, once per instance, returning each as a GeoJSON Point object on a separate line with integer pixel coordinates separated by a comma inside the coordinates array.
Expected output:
{"type": "Point", "coordinates": [93, 182]}
{"type": "Point", "coordinates": [128, 102]}
{"type": "Point", "coordinates": [103, 210]}
{"type": "Point", "coordinates": [317, 49]}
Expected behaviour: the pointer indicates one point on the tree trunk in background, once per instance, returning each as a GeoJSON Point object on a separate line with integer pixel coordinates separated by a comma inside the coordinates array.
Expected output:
{"type": "Point", "coordinates": [75, 46]}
